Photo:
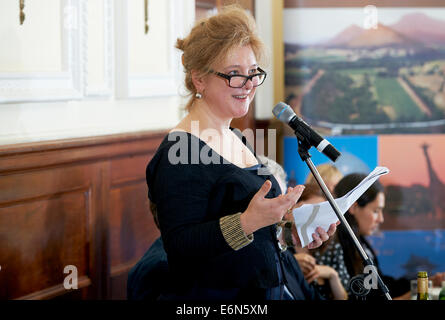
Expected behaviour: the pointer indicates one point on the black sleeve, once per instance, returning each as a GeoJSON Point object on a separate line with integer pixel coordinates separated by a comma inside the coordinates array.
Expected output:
{"type": "Point", "coordinates": [396, 286]}
{"type": "Point", "coordinates": [299, 287]}
{"type": "Point", "coordinates": [182, 195]}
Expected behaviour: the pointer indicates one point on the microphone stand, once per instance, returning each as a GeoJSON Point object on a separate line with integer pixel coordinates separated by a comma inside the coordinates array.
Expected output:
{"type": "Point", "coordinates": [303, 151]}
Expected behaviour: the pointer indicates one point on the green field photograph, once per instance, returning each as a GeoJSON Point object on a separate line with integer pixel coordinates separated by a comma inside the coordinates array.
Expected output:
{"type": "Point", "coordinates": [346, 72]}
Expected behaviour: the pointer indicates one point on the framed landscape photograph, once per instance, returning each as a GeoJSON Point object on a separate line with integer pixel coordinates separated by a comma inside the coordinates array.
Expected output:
{"type": "Point", "coordinates": [366, 69]}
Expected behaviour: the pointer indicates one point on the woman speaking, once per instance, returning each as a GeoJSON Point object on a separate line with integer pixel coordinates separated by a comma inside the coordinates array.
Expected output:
{"type": "Point", "coordinates": [217, 212]}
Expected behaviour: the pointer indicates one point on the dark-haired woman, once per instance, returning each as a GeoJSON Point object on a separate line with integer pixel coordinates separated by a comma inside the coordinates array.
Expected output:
{"type": "Point", "coordinates": [364, 217]}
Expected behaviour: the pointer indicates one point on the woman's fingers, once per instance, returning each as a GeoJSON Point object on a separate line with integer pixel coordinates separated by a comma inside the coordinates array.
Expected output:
{"type": "Point", "coordinates": [316, 243]}
{"type": "Point", "coordinates": [311, 276]}
{"type": "Point", "coordinates": [264, 211]}
{"type": "Point", "coordinates": [308, 267]}
{"type": "Point", "coordinates": [293, 195]}
{"type": "Point", "coordinates": [264, 190]}
{"type": "Point", "coordinates": [308, 259]}
{"type": "Point", "coordinates": [296, 193]}
{"type": "Point", "coordinates": [311, 260]}
{"type": "Point", "coordinates": [281, 205]}
{"type": "Point", "coordinates": [306, 264]}
{"type": "Point", "coordinates": [333, 228]}
{"type": "Point", "coordinates": [323, 234]}
{"type": "Point", "coordinates": [282, 202]}
{"type": "Point", "coordinates": [305, 267]}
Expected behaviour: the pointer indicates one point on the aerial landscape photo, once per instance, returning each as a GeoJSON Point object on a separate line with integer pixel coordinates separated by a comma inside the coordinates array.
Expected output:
{"type": "Point", "coordinates": [389, 78]}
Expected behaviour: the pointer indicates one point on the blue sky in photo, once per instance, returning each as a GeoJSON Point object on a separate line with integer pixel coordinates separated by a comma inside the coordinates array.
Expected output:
{"type": "Point", "coordinates": [358, 154]}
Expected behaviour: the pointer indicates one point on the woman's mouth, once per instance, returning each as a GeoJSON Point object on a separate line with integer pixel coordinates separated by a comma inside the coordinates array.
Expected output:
{"type": "Point", "coordinates": [241, 97]}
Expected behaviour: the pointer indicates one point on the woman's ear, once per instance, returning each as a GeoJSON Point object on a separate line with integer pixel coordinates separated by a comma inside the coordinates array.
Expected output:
{"type": "Point", "coordinates": [198, 81]}
{"type": "Point", "coordinates": [353, 209]}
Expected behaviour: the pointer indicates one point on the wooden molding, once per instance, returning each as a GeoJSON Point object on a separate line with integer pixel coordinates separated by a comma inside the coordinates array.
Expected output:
{"type": "Point", "coordinates": [361, 3]}
{"type": "Point", "coordinates": [55, 291]}
{"type": "Point", "coordinates": [27, 156]}
{"type": "Point", "coordinates": [80, 202]}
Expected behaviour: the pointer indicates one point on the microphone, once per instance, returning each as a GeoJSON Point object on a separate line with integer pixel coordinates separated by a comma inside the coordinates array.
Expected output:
{"type": "Point", "coordinates": [284, 113]}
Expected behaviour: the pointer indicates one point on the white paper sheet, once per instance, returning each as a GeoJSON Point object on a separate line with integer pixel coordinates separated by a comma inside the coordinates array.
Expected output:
{"type": "Point", "coordinates": [310, 216]}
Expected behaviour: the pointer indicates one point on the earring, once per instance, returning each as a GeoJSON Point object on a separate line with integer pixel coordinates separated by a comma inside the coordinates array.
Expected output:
{"type": "Point", "coordinates": [198, 95]}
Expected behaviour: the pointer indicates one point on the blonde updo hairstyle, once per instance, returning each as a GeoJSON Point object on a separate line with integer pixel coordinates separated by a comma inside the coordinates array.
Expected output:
{"type": "Point", "coordinates": [330, 174]}
{"type": "Point", "coordinates": [212, 38]}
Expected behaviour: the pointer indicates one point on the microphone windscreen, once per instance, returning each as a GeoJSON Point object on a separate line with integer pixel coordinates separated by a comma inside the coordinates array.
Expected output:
{"type": "Point", "coordinates": [283, 112]}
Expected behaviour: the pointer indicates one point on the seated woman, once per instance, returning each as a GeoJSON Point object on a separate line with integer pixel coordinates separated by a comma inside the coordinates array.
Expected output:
{"type": "Point", "coordinates": [323, 278]}
{"type": "Point", "coordinates": [330, 174]}
{"type": "Point", "coordinates": [364, 217]}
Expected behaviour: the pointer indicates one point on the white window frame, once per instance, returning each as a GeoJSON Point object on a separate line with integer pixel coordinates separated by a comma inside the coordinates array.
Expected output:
{"type": "Point", "coordinates": [148, 84]}
{"type": "Point", "coordinates": [53, 86]}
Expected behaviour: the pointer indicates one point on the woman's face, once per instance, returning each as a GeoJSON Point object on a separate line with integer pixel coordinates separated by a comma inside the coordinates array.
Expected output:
{"type": "Point", "coordinates": [224, 101]}
{"type": "Point", "coordinates": [370, 216]}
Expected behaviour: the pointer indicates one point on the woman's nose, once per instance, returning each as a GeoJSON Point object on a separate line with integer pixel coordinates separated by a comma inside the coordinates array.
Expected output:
{"type": "Point", "coordinates": [380, 217]}
{"type": "Point", "coordinates": [248, 85]}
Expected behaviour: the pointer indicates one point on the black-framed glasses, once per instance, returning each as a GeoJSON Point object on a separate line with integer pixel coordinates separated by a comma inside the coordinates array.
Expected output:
{"type": "Point", "coordinates": [239, 80]}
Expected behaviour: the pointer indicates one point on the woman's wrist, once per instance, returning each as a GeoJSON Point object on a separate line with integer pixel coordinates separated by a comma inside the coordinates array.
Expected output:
{"type": "Point", "coordinates": [245, 224]}
{"type": "Point", "coordinates": [333, 274]}
{"type": "Point", "coordinates": [233, 232]}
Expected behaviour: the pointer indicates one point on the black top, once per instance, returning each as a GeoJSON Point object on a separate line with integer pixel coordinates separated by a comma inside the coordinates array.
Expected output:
{"type": "Point", "coordinates": [396, 286]}
{"type": "Point", "coordinates": [335, 257]}
{"type": "Point", "coordinates": [150, 279]}
{"type": "Point", "coordinates": [191, 196]}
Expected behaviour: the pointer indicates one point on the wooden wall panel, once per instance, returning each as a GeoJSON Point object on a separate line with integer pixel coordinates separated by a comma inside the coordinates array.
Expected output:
{"type": "Point", "coordinates": [44, 216]}
{"type": "Point", "coordinates": [129, 169]}
{"type": "Point", "coordinates": [49, 229]}
{"type": "Point", "coordinates": [132, 228]}
{"type": "Point", "coordinates": [80, 202]}
{"type": "Point", "coordinates": [21, 186]}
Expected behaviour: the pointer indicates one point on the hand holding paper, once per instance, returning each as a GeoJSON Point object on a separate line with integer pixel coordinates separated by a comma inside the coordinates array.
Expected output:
{"type": "Point", "coordinates": [310, 216]}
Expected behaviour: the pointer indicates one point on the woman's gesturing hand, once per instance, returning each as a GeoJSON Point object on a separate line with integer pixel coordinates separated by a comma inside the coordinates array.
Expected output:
{"type": "Point", "coordinates": [263, 212]}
